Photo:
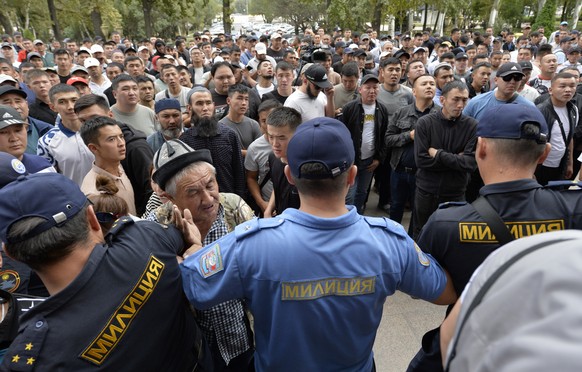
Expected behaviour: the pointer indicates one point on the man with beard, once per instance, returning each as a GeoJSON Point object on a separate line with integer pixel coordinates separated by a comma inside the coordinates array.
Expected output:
{"type": "Point", "coordinates": [314, 98]}
{"type": "Point", "coordinates": [207, 133]}
{"type": "Point", "coordinates": [169, 115]}
{"type": "Point", "coordinates": [265, 78]}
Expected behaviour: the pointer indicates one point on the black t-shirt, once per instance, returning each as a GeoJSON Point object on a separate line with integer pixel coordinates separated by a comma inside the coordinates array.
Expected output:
{"type": "Point", "coordinates": [274, 95]}
{"type": "Point", "coordinates": [64, 79]}
{"type": "Point", "coordinates": [277, 55]}
{"type": "Point", "coordinates": [286, 195]}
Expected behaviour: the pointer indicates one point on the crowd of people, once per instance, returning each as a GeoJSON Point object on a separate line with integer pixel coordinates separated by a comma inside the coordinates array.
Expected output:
{"type": "Point", "coordinates": [119, 155]}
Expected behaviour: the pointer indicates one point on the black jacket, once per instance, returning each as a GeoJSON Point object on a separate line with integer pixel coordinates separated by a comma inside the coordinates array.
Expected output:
{"type": "Point", "coordinates": [547, 110]}
{"type": "Point", "coordinates": [353, 118]}
{"type": "Point", "coordinates": [447, 174]}
{"type": "Point", "coordinates": [137, 164]}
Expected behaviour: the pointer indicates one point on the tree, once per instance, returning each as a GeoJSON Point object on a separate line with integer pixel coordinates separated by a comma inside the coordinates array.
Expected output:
{"type": "Point", "coordinates": [546, 17]}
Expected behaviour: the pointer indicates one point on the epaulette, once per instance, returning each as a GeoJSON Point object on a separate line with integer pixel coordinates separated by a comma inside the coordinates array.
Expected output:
{"type": "Point", "coordinates": [446, 205]}
{"type": "Point", "coordinates": [118, 225]}
{"type": "Point", "coordinates": [385, 223]}
{"type": "Point", "coordinates": [564, 185]}
{"type": "Point", "coordinates": [250, 227]}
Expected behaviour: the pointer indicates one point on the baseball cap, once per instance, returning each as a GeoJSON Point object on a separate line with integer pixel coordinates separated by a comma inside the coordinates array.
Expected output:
{"type": "Point", "coordinates": [384, 54]}
{"type": "Point", "coordinates": [575, 50]}
{"type": "Point", "coordinates": [143, 47]}
{"type": "Point", "coordinates": [348, 51]}
{"type": "Point", "coordinates": [506, 121]}
{"type": "Point", "coordinates": [130, 49]}
{"type": "Point", "coordinates": [318, 75]}
{"type": "Point", "coordinates": [401, 52]}
{"type": "Point", "coordinates": [84, 50]}
{"type": "Point", "coordinates": [78, 68]}
{"type": "Point", "coordinates": [10, 169]}
{"type": "Point", "coordinates": [26, 197]}
{"type": "Point", "coordinates": [564, 23]}
{"type": "Point", "coordinates": [9, 116]}
{"type": "Point", "coordinates": [76, 79]}
{"type": "Point", "coordinates": [461, 55]}
{"type": "Point", "coordinates": [5, 44]}
{"type": "Point", "coordinates": [96, 48]}
{"type": "Point", "coordinates": [252, 38]}
{"type": "Point", "coordinates": [419, 49]}
{"type": "Point", "coordinates": [508, 69]}
{"type": "Point", "coordinates": [441, 65]}
{"type": "Point", "coordinates": [7, 78]}
{"type": "Point", "coordinates": [369, 57]}
{"type": "Point", "coordinates": [5, 89]}
{"type": "Point", "coordinates": [525, 65]}
{"type": "Point", "coordinates": [159, 42]}
{"type": "Point", "coordinates": [173, 156]}
{"type": "Point", "coordinates": [52, 69]}
{"type": "Point", "coordinates": [276, 35]}
{"type": "Point", "coordinates": [91, 62]}
{"type": "Point", "coordinates": [321, 140]}
{"type": "Point", "coordinates": [38, 41]}
{"type": "Point", "coordinates": [32, 55]}
{"type": "Point", "coordinates": [261, 48]}
{"type": "Point", "coordinates": [340, 44]}
{"type": "Point", "coordinates": [166, 104]}
{"type": "Point", "coordinates": [365, 36]}
{"type": "Point", "coordinates": [369, 77]}
{"type": "Point", "coordinates": [359, 52]}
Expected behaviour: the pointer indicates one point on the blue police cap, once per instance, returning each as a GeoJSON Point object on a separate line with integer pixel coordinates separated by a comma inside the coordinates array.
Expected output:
{"type": "Point", "coordinates": [506, 121]}
{"type": "Point", "coordinates": [27, 197]}
{"type": "Point", "coordinates": [321, 140]}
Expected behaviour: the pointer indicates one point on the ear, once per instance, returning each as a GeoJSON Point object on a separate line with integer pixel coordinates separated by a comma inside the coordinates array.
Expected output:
{"type": "Point", "coordinates": [545, 154]}
{"type": "Point", "coordinates": [93, 147]}
{"type": "Point", "coordinates": [442, 100]}
{"type": "Point", "coordinates": [352, 173]}
{"type": "Point", "coordinates": [228, 100]}
{"type": "Point", "coordinates": [114, 94]}
{"type": "Point", "coordinates": [110, 114]}
{"type": "Point", "coordinates": [52, 107]}
{"type": "Point", "coordinates": [287, 171]}
{"type": "Point", "coordinates": [481, 150]}
{"type": "Point", "coordinates": [92, 219]}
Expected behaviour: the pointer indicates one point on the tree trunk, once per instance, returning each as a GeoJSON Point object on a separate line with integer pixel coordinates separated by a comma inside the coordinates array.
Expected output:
{"type": "Point", "coordinates": [577, 9]}
{"type": "Point", "coordinates": [97, 22]}
{"type": "Point", "coordinates": [436, 22]}
{"type": "Point", "coordinates": [55, 21]}
{"type": "Point", "coordinates": [226, 21]}
{"type": "Point", "coordinates": [410, 22]}
{"type": "Point", "coordinates": [493, 15]}
{"type": "Point", "coordinates": [377, 20]}
{"type": "Point", "coordinates": [425, 16]}
{"type": "Point", "coordinates": [147, 17]}
{"type": "Point", "coordinates": [541, 4]}
{"type": "Point", "coordinates": [563, 15]}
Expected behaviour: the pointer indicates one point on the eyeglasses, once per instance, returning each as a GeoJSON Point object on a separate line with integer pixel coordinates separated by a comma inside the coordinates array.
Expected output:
{"type": "Point", "coordinates": [106, 217]}
{"type": "Point", "coordinates": [515, 77]}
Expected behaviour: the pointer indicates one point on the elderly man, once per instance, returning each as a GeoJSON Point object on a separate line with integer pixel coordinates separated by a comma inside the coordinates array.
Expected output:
{"type": "Point", "coordinates": [188, 180]}
{"type": "Point", "coordinates": [169, 115]}
{"type": "Point", "coordinates": [60, 238]}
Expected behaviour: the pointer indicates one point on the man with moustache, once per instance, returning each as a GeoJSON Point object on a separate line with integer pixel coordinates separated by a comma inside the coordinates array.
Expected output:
{"type": "Point", "coordinates": [314, 98]}
{"type": "Point", "coordinates": [168, 114]}
{"type": "Point", "coordinates": [284, 74]}
{"type": "Point", "coordinates": [207, 133]}
{"type": "Point", "coordinates": [265, 78]}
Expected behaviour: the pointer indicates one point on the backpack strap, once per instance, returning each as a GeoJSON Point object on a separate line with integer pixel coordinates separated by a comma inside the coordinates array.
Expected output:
{"type": "Point", "coordinates": [493, 220]}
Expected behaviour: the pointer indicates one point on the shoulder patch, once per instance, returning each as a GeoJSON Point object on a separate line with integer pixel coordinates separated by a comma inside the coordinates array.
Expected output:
{"type": "Point", "coordinates": [386, 224]}
{"type": "Point", "coordinates": [211, 262]}
{"type": "Point", "coordinates": [422, 257]}
{"type": "Point", "coordinates": [446, 205]}
{"type": "Point", "coordinates": [561, 185]}
{"type": "Point", "coordinates": [9, 280]}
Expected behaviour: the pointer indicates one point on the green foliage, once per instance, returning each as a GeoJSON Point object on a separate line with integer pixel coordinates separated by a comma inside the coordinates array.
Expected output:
{"type": "Point", "coordinates": [546, 17]}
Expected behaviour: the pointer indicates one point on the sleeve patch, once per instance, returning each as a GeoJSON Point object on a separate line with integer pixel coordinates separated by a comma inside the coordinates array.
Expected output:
{"type": "Point", "coordinates": [422, 257]}
{"type": "Point", "coordinates": [211, 262]}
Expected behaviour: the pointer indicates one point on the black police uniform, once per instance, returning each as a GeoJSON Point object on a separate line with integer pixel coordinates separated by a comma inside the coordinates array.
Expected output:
{"type": "Point", "coordinates": [125, 311]}
{"type": "Point", "coordinates": [459, 239]}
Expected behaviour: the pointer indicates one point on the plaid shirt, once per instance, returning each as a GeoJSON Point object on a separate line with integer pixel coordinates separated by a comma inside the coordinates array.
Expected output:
{"type": "Point", "coordinates": [224, 324]}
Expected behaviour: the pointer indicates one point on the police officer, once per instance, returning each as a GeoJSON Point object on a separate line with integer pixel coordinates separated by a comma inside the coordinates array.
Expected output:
{"type": "Point", "coordinates": [115, 303]}
{"type": "Point", "coordinates": [315, 268]}
{"type": "Point", "coordinates": [512, 140]}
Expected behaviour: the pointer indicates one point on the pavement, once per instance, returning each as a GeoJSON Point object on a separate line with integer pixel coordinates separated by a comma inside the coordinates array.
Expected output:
{"type": "Point", "coordinates": [404, 321]}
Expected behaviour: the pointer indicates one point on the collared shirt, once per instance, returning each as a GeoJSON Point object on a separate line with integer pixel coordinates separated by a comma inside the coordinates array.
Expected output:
{"type": "Point", "coordinates": [122, 182]}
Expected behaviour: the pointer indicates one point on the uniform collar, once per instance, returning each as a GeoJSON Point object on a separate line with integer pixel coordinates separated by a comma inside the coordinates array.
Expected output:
{"type": "Point", "coordinates": [510, 186]}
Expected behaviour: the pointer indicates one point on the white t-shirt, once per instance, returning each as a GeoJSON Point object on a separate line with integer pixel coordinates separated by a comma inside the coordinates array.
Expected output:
{"type": "Point", "coordinates": [307, 107]}
{"type": "Point", "coordinates": [367, 148]}
{"type": "Point", "coordinates": [557, 140]}
{"type": "Point", "coordinates": [182, 97]}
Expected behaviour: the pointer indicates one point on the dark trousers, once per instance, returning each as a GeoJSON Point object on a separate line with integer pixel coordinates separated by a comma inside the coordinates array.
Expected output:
{"type": "Point", "coordinates": [383, 183]}
{"type": "Point", "coordinates": [402, 185]}
{"type": "Point", "coordinates": [241, 363]}
{"type": "Point", "coordinates": [424, 205]}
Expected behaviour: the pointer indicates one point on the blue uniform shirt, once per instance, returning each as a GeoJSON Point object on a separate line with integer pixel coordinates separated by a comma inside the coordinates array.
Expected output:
{"type": "Point", "coordinates": [315, 286]}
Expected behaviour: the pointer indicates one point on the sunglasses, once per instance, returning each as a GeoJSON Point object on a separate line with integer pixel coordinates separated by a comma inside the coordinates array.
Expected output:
{"type": "Point", "coordinates": [106, 217]}
{"type": "Point", "coordinates": [515, 77]}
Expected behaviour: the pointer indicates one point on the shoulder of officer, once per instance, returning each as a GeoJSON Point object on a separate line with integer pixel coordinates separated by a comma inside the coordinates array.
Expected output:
{"type": "Point", "coordinates": [385, 224]}
{"type": "Point", "coordinates": [256, 224]}
{"type": "Point", "coordinates": [564, 185]}
{"type": "Point", "coordinates": [119, 225]}
{"type": "Point", "coordinates": [451, 204]}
